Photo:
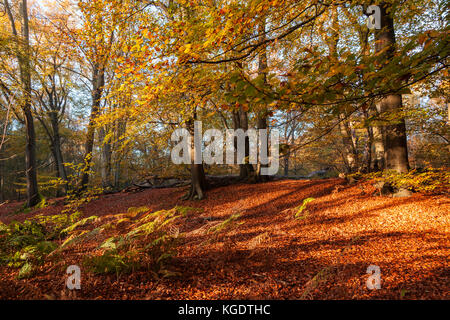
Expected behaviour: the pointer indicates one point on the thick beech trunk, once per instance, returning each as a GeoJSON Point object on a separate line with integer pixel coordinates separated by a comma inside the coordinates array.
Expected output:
{"type": "Point", "coordinates": [240, 121]}
{"type": "Point", "coordinates": [395, 142]}
{"type": "Point", "coordinates": [198, 178]}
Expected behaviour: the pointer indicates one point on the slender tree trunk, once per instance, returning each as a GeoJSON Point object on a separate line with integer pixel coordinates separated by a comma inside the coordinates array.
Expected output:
{"type": "Point", "coordinates": [25, 73]}
{"type": "Point", "coordinates": [106, 155]}
{"type": "Point", "coordinates": [57, 154]}
{"type": "Point", "coordinates": [349, 146]}
{"type": "Point", "coordinates": [396, 149]}
{"type": "Point", "coordinates": [368, 150]}
{"type": "Point", "coordinates": [55, 147]}
{"type": "Point", "coordinates": [349, 153]}
{"type": "Point", "coordinates": [286, 164]}
{"type": "Point", "coordinates": [117, 175]}
{"type": "Point", "coordinates": [261, 121]}
{"type": "Point", "coordinates": [30, 159]}
{"type": "Point", "coordinates": [97, 89]}
{"type": "Point", "coordinates": [58, 192]}
{"type": "Point", "coordinates": [120, 130]}
{"type": "Point", "coordinates": [367, 162]}
{"type": "Point", "coordinates": [378, 146]}
{"type": "Point", "coordinates": [59, 159]}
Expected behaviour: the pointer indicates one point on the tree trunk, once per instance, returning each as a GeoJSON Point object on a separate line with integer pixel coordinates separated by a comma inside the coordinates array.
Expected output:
{"type": "Point", "coordinates": [120, 130]}
{"type": "Point", "coordinates": [396, 149]}
{"type": "Point", "coordinates": [286, 164]}
{"type": "Point", "coordinates": [106, 155]}
{"type": "Point", "coordinates": [58, 192]}
{"type": "Point", "coordinates": [378, 146]}
{"type": "Point", "coordinates": [97, 89]}
{"type": "Point", "coordinates": [198, 178]}
{"type": "Point", "coordinates": [349, 153]}
{"type": "Point", "coordinates": [240, 121]}
{"type": "Point", "coordinates": [30, 159]}
{"type": "Point", "coordinates": [367, 162]}
{"type": "Point", "coordinates": [56, 149]}
{"type": "Point", "coordinates": [198, 183]}
{"type": "Point", "coordinates": [349, 146]}
{"type": "Point", "coordinates": [261, 121]}
{"type": "Point", "coordinates": [117, 175]}
{"type": "Point", "coordinates": [30, 146]}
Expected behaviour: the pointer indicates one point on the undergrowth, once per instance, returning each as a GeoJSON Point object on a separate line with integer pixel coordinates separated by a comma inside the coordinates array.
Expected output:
{"type": "Point", "coordinates": [147, 242]}
{"type": "Point", "coordinates": [426, 180]}
{"type": "Point", "coordinates": [26, 244]}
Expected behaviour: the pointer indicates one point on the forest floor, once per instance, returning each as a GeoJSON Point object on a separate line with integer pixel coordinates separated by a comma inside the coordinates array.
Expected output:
{"type": "Point", "coordinates": [270, 255]}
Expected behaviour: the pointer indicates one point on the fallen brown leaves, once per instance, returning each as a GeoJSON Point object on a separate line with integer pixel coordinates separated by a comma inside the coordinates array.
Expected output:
{"type": "Point", "coordinates": [271, 255]}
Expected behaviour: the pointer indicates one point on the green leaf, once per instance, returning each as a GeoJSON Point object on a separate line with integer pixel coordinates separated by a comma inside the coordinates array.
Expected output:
{"type": "Point", "coordinates": [26, 271]}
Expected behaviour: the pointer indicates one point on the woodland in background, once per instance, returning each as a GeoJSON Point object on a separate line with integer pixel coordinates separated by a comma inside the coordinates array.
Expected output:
{"type": "Point", "coordinates": [90, 91]}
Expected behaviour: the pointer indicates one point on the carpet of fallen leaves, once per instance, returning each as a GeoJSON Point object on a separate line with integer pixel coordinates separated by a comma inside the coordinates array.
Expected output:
{"type": "Point", "coordinates": [323, 255]}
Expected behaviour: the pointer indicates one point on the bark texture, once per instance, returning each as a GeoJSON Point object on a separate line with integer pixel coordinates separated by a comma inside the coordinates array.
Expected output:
{"type": "Point", "coordinates": [395, 142]}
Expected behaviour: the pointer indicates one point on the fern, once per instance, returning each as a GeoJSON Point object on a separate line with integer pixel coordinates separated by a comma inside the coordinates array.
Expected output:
{"type": "Point", "coordinates": [78, 224]}
{"type": "Point", "coordinates": [134, 211]}
{"type": "Point", "coordinates": [112, 262]}
{"type": "Point", "coordinates": [150, 242]}
{"type": "Point", "coordinates": [301, 208]}
{"type": "Point", "coordinates": [226, 224]}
